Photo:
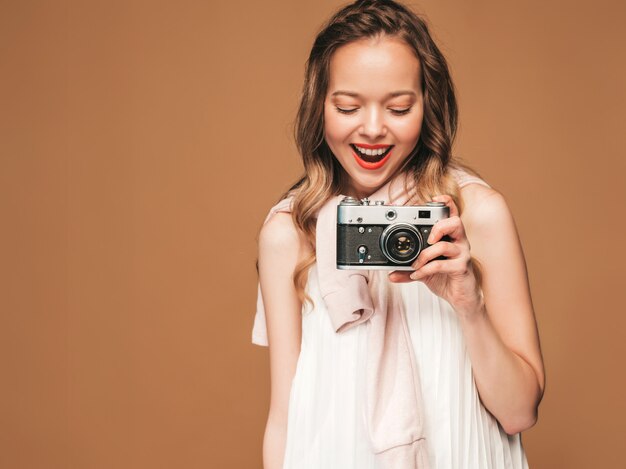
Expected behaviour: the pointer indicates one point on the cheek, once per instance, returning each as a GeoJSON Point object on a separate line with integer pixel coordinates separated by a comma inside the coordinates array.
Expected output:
{"type": "Point", "coordinates": [409, 131]}
{"type": "Point", "coordinates": [335, 130]}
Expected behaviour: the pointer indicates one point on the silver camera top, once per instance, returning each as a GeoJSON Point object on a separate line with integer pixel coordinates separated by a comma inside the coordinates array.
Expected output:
{"type": "Point", "coordinates": [349, 200]}
{"type": "Point", "coordinates": [354, 211]}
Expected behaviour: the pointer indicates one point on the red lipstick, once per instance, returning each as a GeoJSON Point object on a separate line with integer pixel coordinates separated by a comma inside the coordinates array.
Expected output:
{"type": "Point", "coordinates": [366, 165]}
{"type": "Point", "coordinates": [371, 147]}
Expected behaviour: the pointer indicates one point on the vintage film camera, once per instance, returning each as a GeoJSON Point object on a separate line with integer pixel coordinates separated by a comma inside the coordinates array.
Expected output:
{"type": "Point", "coordinates": [384, 237]}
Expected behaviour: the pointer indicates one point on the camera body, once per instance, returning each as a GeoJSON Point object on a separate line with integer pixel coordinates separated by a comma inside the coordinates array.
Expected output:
{"type": "Point", "coordinates": [384, 237]}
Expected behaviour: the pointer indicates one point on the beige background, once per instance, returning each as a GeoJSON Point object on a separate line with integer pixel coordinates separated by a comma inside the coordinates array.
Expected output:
{"type": "Point", "coordinates": [141, 146]}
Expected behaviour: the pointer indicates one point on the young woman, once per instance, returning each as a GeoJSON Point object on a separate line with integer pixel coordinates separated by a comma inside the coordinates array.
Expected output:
{"type": "Point", "coordinates": [378, 108]}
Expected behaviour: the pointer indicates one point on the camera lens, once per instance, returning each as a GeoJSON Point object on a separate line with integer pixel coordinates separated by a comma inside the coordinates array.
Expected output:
{"type": "Point", "coordinates": [401, 243]}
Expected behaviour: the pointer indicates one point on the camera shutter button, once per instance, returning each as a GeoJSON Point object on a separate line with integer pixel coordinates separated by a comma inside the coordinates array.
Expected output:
{"type": "Point", "coordinates": [349, 201]}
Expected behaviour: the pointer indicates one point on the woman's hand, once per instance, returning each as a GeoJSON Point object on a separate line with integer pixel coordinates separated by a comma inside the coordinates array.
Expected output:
{"type": "Point", "coordinates": [453, 279]}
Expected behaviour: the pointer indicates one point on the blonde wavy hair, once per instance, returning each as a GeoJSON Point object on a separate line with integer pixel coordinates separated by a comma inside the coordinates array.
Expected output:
{"type": "Point", "coordinates": [430, 161]}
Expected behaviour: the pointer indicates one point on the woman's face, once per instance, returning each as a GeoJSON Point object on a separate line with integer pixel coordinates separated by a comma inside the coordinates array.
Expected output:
{"type": "Point", "coordinates": [373, 110]}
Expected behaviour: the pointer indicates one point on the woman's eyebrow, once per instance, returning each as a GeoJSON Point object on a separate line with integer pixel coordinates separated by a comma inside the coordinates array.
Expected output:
{"type": "Point", "coordinates": [393, 94]}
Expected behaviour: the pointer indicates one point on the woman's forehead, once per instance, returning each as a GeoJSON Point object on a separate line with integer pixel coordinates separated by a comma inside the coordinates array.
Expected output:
{"type": "Point", "coordinates": [374, 66]}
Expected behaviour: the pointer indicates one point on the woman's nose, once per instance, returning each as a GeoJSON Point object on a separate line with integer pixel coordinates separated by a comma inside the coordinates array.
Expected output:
{"type": "Point", "coordinates": [373, 125]}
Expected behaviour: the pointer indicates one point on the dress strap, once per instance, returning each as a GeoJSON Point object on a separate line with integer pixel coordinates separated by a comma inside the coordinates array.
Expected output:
{"type": "Point", "coordinates": [284, 205]}
{"type": "Point", "coordinates": [463, 178]}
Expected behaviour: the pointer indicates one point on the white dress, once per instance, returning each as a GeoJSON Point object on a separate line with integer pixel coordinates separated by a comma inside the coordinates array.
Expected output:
{"type": "Point", "coordinates": [326, 423]}
{"type": "Point", "coordinates": [326, 420]}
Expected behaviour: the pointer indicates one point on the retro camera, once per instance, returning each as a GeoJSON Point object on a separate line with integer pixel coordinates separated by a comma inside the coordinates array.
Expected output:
{"type": "Point", "coordinates": [385, 237]}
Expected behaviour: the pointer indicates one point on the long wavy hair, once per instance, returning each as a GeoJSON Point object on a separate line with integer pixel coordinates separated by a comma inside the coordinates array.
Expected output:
{"type": "Point", "coordinates": [431, 159]}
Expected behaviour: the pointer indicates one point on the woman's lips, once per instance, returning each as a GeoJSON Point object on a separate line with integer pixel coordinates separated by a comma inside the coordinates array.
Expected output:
{"type": "Point", "coordinates": [366, 165]}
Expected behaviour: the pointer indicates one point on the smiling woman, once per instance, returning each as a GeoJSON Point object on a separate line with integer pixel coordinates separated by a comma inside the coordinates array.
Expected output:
{"type": "Point", "coordinates": [438, 367]}
{"type": "Point", "coordinates": [370, 130]}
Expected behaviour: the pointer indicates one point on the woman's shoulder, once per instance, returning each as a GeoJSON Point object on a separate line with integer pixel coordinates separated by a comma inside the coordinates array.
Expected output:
{"type": "Point", "coordinates": [482, 203]}
{"type": "Point", "coordinates": [284, 205]}
{"type": "Point", "coordinates": [279, 233]}
{"type": "Point", "coordinates": [278, 228]}
{"type": "Point", "coordinates": [473, 187]}
{"type": "Point", "coordinates": [475, 195]}
{"type": "Point", "coordinates": [485, 211]}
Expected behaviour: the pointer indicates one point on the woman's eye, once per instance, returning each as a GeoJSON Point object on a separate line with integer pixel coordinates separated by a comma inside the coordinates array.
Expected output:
{"type": "Point", "coordinates": [397, 112]}
{"type": "Point", "coordinates": [401, 112]}
{"type": "Point", "coordinates": [345, 111]}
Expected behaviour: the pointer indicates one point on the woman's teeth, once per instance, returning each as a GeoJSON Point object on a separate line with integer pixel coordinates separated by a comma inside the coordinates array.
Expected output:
{"type": "Point", "coordinates": [371, 156]}
{"type": "Point", "coordinates": [380, 151]}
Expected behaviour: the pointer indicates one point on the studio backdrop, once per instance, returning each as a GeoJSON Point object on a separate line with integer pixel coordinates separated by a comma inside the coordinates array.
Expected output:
{"type": "Point", "coordinates": [141, 146]}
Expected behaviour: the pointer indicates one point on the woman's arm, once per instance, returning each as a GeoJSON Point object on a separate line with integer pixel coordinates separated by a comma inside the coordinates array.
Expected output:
{"type": "Point", "coordinates": [500, 330]}
{"type": "Point", "coordinates": [280, 249]}
{"type": "Point", "coordinates": [502, 337]}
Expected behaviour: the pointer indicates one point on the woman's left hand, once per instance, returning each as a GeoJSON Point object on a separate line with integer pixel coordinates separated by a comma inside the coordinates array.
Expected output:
{"type": "Point", "coordinates": [453, 278]}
